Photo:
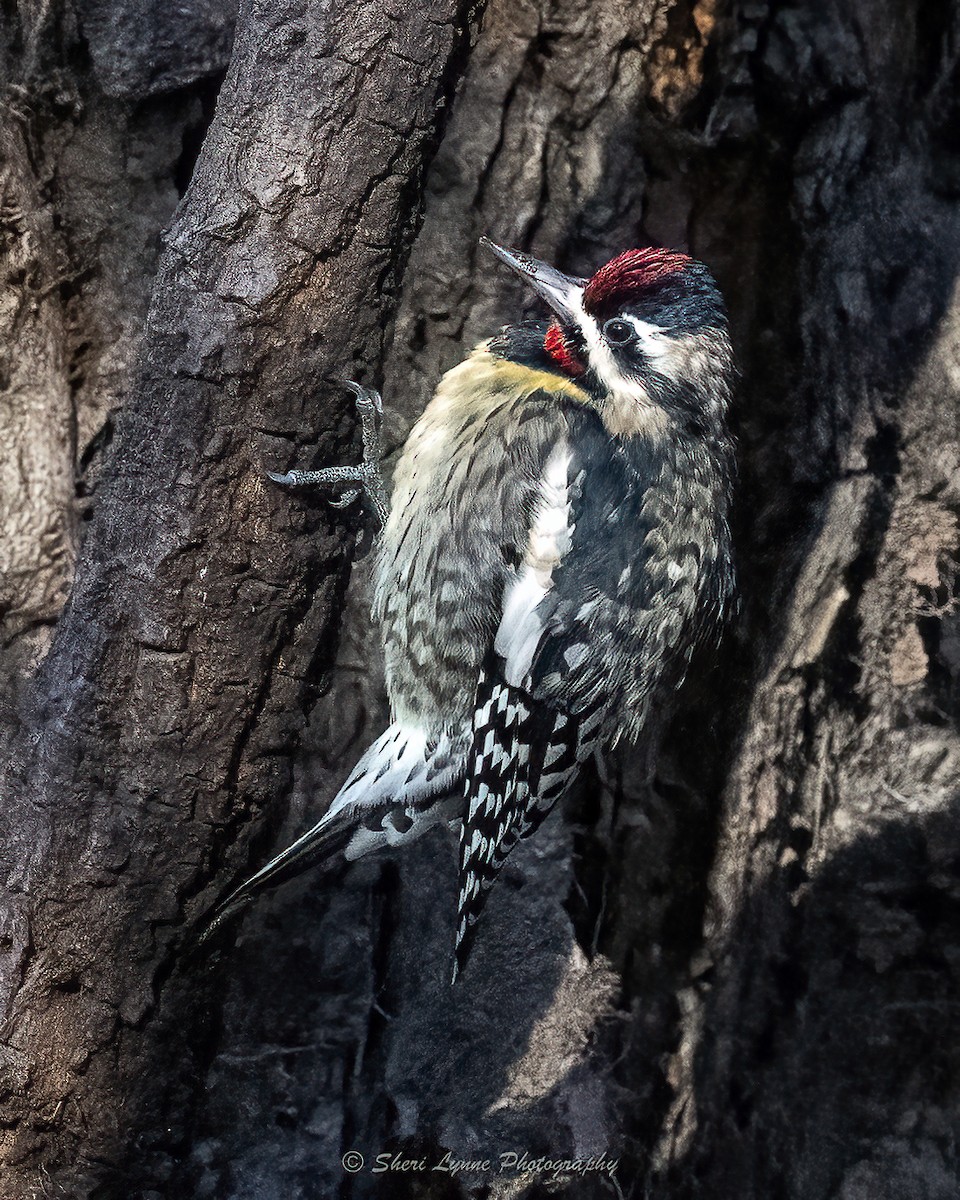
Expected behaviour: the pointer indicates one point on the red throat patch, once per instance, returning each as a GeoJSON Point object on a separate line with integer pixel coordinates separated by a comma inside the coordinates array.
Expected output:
{"type": "Point", "coordinates": [630, 273]}
{"type": "Point", "coordinates": [555, 344]}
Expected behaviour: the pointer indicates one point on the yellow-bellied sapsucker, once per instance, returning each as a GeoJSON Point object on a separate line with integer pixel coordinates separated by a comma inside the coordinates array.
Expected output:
{"type": "Point", "coordinates": [556, 548]}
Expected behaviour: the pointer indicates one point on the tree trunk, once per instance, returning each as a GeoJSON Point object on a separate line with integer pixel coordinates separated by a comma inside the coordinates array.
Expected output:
{"type": "Point", "coordinates": [737, 974]}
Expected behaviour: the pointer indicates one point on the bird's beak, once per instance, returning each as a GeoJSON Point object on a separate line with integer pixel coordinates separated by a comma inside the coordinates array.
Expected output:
{"type": "Point", "coordinates": [561, 292]}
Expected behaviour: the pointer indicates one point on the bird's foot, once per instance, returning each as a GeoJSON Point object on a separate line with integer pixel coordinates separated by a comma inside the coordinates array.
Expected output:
{"type": "Point", "coordinates": [366, 474]}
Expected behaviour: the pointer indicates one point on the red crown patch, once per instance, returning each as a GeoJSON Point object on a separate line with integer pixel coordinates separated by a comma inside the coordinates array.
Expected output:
{"type": "Point", "coordinates": [631, 273]}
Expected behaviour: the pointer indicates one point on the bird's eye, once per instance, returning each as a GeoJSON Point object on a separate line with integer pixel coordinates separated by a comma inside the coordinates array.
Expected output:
{"type": "Point", "coordinates": [619, 332]}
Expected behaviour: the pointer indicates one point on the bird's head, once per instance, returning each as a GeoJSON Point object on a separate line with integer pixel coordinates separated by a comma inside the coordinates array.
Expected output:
{"type": "Point", "coordinates": [645, 336]}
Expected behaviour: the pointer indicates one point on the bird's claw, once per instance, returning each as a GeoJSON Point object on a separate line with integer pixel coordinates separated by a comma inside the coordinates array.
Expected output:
{"type": "Point", "coordinates": [367, 473]}
{"type": "Point", "coordinates": [346, 499]}
{"type": "Point", "coordinates": [368, 399]}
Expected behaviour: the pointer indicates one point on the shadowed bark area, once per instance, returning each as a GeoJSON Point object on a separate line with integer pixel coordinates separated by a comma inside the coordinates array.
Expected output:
{"type": "Point", "coordinates": [736, 973]}
{"type": "Point", "coordinates": [90, 169]}
{"type": "Point", "coordinates": [164, 714]}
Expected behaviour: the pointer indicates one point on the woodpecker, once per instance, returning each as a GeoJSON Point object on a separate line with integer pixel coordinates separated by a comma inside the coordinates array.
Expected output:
{"type": "Point", "coordinates": [556, 549]}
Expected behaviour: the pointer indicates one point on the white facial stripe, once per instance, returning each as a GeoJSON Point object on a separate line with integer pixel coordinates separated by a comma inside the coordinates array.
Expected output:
{"type": "Point", "coordinates": [650, 337]}
{"type": "Point", "coordinates": [598, 352]}
{"type": "Point", "coordinates": [601, 356]}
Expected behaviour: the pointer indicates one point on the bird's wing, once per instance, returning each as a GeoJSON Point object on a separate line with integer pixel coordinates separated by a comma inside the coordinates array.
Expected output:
{"type": "Point", "coordinates": [524, 755]}
{"type": "Point", "coordinates": [620, 612]}
{"type": "Point", "coordinates": [527, 749]}
{"type": "Point", "coordinates": [589, 626]}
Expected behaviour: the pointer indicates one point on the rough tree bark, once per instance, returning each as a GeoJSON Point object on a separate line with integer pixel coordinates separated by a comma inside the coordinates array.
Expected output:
{"type": "Point", "coordinates": [740, 977]}
{"type": "Point", "coordinates": [163, 715]}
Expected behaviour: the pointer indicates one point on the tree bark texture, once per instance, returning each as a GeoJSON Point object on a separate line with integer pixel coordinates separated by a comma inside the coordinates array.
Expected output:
{"type": "Point", "coordinates": [736, 973]}
{"type": "Point", "coordinates": [162, 717]}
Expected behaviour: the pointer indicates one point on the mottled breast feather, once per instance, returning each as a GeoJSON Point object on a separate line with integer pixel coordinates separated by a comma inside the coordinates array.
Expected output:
{"type": "Point", "coordinates": [474, 460]}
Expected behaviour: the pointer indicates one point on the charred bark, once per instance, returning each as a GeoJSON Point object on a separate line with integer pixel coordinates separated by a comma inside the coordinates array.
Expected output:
{"type": "Point", "coordinates": [163, 715]}
{"type": "Point", "coordinates": [739, 976]}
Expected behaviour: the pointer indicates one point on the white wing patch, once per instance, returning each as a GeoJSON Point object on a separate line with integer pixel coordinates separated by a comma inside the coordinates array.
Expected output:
{"type": "Point", "coordinates": [549, 540]}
